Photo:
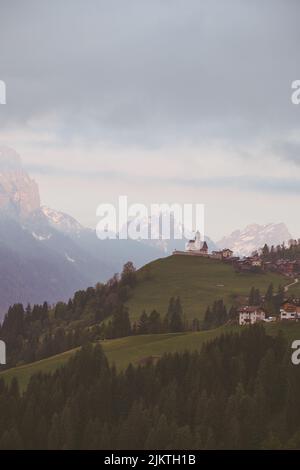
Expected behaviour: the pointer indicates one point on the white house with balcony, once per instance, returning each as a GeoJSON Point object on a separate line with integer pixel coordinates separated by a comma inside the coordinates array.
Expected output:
{"type": "Point", "coordinates": [289, 311]}
{"type": "Point", "coordinates": [250, 315]}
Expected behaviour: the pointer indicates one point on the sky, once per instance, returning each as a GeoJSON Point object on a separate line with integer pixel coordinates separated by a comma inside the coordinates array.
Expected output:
{"type": "Point", "coordinates": [169, 101]}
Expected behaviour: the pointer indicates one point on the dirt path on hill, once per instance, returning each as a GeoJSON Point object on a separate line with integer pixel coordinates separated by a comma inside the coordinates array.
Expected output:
{"type": "Point", "coordinates": [286, 288]}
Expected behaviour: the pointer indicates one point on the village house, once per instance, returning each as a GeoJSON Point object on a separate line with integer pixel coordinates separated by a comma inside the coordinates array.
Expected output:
{"type": "Point", "coordinates": [222, 254]}
{"type": "Point", "coordinates": [286, 267]}
{"type": "Point", "coordinates": [249, 264]}
{"type": "Point", "coordinates": [256, 261]}
{"type": "Point", "coordinates": [290, 311]}
{"type": "Point", "coordinates": [251, 314]}
{"type": "Point", "coordinates": [269, 266]}
{"type": "Point", "coordinates": [226, 253]}
{"type": "Point", "coordinates": [243, 265]}
{"type": "Point", "coordinates": [216, 255]}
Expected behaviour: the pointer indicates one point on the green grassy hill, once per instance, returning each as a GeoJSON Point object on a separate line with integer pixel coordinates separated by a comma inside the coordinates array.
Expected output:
{"type": "Point", "coordinates": [294, 291]}
{"type": "Point", "coordinates": [198, 281]}
{"type": "Point", "coordinates": [122, 351]}
{"type": "Point", "coordinates": [133, 349]}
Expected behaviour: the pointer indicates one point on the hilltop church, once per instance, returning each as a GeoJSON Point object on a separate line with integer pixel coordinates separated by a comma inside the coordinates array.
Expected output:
{"type": "Point", "coordinates": [196, 246]}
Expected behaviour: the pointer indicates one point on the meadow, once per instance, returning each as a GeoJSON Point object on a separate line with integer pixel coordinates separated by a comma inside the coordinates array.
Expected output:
{"type": "Point", "coordinates": [135, 349]}
{"type": "Point", "coordinates": [198, 281]}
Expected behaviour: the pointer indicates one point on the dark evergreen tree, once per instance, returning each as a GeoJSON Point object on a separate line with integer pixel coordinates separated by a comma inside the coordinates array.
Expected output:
{"type": "Point", "coordinates": [239, 392]}
{"type": "Point", "coordinates": [143, 325]}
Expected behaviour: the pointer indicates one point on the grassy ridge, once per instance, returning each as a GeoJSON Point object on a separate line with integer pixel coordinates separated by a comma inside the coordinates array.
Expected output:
{"type": "Point", "coordinates": [198, 281]}
{"type": "Point", "coordinates": [294, 291]}
{"type": "Point", "coordinates": [121, 352]}
{"type": "Point", "coordinates": [132, 349]}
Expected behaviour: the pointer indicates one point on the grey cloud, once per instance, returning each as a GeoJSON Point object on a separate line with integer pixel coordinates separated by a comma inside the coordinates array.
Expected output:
{"type": "Point", "coordinates": [245, 183]}
{"type": "Point", "coordinates": [288, 151]}
{"type": "Point", "coordinates": [48, 170]}
{"type": "Point", "coordinates": [241, 182]}
{"type": "Point", "coordinates": [151, 72]}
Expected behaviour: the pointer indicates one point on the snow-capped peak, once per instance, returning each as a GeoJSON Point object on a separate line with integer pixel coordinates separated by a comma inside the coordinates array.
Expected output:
{"type": "Point", "coordinates": [19, 193]}
{"type": "Point", "coordinates": [61, 221]}
{"type": "Point", "coordinates": [72, 260]}
{"type": "Point", "coordinates": [41, 237]}
{"type": "Point", "coordinates": [255, 236]}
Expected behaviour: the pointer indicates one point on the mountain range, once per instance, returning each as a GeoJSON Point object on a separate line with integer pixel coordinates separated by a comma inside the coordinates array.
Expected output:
{"type": "Point", "coordinates": [46, 254]}
{"type": "Point", "coordinates": [254, 236]}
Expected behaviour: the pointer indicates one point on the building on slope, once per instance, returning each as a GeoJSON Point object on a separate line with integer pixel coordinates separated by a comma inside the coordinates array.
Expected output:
{"type": "Point", "coordinates": [195, 247]}
{"type": "Point", "coordinates": [250, 315]}
{"type": "Point", "coordinates": [222, 254]}
{"type": "Point", "coordinates": [290, 311]}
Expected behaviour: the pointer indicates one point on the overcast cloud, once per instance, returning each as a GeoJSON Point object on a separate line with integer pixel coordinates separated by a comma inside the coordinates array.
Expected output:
{"type": "Point", "coordinates": [190, 99]}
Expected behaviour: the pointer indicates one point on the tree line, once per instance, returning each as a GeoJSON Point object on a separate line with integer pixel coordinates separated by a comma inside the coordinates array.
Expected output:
{"type": "Point", "coordinates": [271, 301]}
{"type": "Point", "coordinates": [239, 392]}
{"type": "Point", "coordinates": [274, 253]}
{"type": "Point", "coordinates": [39, 331]}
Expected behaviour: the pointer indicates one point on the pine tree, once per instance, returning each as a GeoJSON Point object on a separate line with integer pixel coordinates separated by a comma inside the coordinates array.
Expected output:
{"type": "Point", "coordinates": [128, 276]}
{"type": "Point", "coordinates": [169, 314]}
{"type": "Point", "coordinates": [269, 293]}
{"type": "Point", "coordinates": [155, 325]}
{"type": "Point", "coordinates": [207, 322]}
{"type": "Point", "coordinates": [176, 321]}
{"type": "Point", "coordinates": [121, 323]}
{"type": "Point", "coordinates": [143, 325]}
{"type": "Point", "coordinates": [251, 296]}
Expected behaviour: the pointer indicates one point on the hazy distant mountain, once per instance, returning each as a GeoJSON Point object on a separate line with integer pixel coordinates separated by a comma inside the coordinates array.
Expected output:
{"type": "Point", "coordinates": [166, 246]}
{"type": "Point", "coordinates": [61, 221]}
{"type": "Point", "coordinates": [31, 270]}
{"type": "Point", "coordinates": [244, 242]}
{"type": "Point", "coordinates": [19, 194]}
{"type": "Point", "coordinates": [112, 254]}
{"type": "Point", "coordinates": [46, 254]}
